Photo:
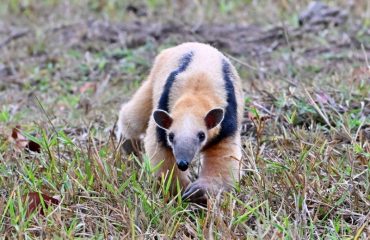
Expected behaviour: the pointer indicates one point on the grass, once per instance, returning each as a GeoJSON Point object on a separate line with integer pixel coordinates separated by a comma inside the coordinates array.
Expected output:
{"type": "Point", "coordinates": [305, 134]}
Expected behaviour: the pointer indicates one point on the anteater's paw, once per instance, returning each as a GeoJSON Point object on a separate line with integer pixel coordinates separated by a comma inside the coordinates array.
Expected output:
{"type": "Point", "coordinates": [198, 191]}
{"type": "Point", "coordinates": [132, 146]}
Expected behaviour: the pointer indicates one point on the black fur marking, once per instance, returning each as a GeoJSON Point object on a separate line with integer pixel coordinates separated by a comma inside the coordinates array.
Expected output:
{"type": "Point", "coordinates": [229, 124]}
{"type": "Point", "coordinates": [163, 101]}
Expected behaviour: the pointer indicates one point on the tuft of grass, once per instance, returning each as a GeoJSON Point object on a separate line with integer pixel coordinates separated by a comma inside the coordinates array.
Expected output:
{"type": "Point", "coordinates": [305, 134]}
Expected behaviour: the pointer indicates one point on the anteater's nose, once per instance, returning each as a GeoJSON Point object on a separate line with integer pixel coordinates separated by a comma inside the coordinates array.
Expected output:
{"type": "Point", "coordinates": [183, 165]}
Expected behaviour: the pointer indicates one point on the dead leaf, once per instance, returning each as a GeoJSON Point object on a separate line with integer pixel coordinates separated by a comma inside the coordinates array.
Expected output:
{"type": "Point", "coordinates": [88, 86]}
{"type": "Point", "coordinates": [33, 146]}
{"type": "Point", "coordinates": [22, 143]}
{"type": "Point", "coordinates": [360, 73]}
{"type": "Point", "coordinates": [34, 202]}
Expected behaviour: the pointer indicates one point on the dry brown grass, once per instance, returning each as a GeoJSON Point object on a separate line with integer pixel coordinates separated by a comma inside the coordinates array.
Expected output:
{"type": "Point", "coordinates": [306, 130]}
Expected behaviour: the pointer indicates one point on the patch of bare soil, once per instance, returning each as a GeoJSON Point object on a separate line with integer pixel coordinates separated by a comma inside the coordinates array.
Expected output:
{"type": "Point", "coordinates": [245, 40]}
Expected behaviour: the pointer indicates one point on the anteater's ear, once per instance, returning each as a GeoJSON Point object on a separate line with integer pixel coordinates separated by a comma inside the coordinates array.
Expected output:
{"type": "Point", "coordinates": [214, 117]}
{"type": "Point", "coordinates": [162, 119]}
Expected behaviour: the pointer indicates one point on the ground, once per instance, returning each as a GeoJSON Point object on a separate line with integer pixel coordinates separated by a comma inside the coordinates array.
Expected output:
{"type": "Point", "coordinates": [66, 66]}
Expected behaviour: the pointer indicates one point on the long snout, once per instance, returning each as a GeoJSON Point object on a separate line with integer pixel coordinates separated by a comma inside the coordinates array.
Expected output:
{"type": "Point", "coordinates": [184, 152]}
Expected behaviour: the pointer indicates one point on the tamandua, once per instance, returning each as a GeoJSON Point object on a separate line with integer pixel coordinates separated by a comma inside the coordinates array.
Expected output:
{"type": "Point", "coordinates": [191, 102]}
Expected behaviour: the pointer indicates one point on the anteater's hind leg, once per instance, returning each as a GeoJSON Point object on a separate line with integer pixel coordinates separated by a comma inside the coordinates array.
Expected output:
{"type": "Point", "coordinates": [134, 116]}
{"type": "Point", "coordinates": [221, 167]}
{"type": "Point", "coordinates": [159, 154]}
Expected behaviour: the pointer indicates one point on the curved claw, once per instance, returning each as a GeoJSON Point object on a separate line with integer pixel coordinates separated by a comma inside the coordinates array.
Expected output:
{"type": "Point", "coordinates": [195, 193]}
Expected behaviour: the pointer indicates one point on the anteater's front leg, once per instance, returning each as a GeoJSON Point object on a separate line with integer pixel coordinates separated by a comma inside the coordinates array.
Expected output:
{"type": "Point", "coordinates": [135, 114]}
{"type": "Point", "coordinates": [221, 167]}
{"type": "Point", "coordinates": [134, 117]}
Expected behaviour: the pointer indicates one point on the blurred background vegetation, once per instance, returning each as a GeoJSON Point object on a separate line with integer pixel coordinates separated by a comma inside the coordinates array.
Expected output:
{"type": "Point", "coordinates": [67, 66]}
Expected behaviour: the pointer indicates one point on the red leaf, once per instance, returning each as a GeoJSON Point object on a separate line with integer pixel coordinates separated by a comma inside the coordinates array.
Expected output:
{"type": "Point", "coordinates": [33, 147]}
{"type": "Point", "coordinates": [34, 202]}
{"type": "Point", "coordinates": [15, 132]}
{"type": "Point", "coordinates": [87, 86]}
{"type": "Point", "coordinates": [22, 142]}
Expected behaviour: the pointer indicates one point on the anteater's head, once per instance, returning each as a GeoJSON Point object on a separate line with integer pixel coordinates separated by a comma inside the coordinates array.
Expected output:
{"type": "Point", "coordinates": [188, 131]}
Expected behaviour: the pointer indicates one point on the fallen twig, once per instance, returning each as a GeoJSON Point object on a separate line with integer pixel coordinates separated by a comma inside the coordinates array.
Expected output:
{"type": "Point", "coordinates": [14, 37]}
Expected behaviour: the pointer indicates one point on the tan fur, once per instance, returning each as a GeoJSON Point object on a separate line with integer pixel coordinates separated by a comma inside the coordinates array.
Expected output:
{"type": "Point", "coordinates": [195, 92]}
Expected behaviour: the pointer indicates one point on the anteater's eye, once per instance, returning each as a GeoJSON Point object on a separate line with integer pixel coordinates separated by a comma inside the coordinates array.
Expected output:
{"type": "Point", "coordinates": [201, 136]}
{"type": "Point", "coordinates": [171, 136]}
